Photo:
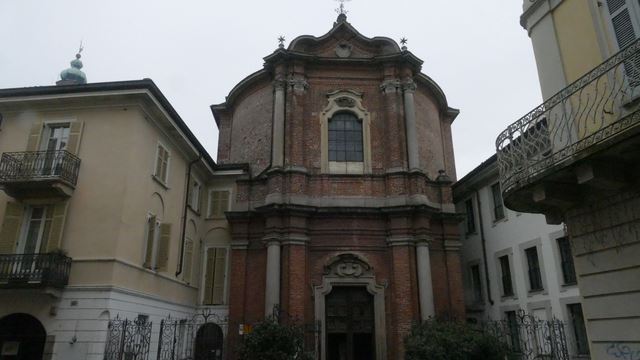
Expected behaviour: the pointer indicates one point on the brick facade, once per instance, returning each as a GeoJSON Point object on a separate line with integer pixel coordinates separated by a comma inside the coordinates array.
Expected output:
{"type": "Point", "coordinates": [377, 215]}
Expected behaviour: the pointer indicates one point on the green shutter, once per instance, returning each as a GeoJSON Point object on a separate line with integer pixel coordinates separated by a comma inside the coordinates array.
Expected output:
{"type": "Point", "coordinates": [163, 247]}
{"type": "Point", "coordinates": [188, 257]}
{"type": "Point", "coordinates": [75, 134]}
{"type": "Point", "coordinates": [53, 239]}
{"type": "Point", "coordinates": [10, 229]}
{"type": "Point", "coordinates": [151, 234]}
{"type": "Point", "coordinates": [34, 136]}
{"type": "Point", "coordinates": [209, 276]}
{"type": "Point", "coordinates": [217, 296]}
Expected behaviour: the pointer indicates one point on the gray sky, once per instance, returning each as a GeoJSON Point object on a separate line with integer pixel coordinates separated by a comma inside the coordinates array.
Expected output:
{"type": "Point", "coordinates": [196, 51]}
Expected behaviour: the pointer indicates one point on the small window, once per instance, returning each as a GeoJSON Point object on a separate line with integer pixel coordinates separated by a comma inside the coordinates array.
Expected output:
{"type": "Point", "coordinates": [533, 263]}
{"type": "Point", "coordinates": [566, 261]}
{"type": "Point", "coordinates": [345, 138]}
{"type": "Point", "coordinates": [579, 329]}
{"type": "Point", "coordinates": [476, 283]}
{"type": "Point", "coordinates": [471, 219]}
{"type": "Point", "coordinates": [215, 276]}
{"type": "Point", "coordinates": [218, 203]}
{"type": "Point", "coordinates": [507, 283]}
{"type": "Point", "coordinates": [194, 195]}
{"type": "Point", "coordinates": [162, 164]}
{"type": "Point", "coordinates": [157, 240]}
{"type": "Point", "coordinates": [498, 207]}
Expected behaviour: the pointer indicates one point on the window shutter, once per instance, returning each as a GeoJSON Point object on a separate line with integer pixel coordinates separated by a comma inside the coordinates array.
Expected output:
{"type": "Point", "coordinates": [209, 276]}
{"type": "Point", "coordinates": [151, 234]}
{"type": "Point", "coordinates": [34, 136]}
{"type": "Point", "coordinates": [219, 203]}
{"type": "Point", "coordinates": [54, 238]}
{"type": "Point", "coordinates": [11, 224]}
{"type": "Point", "coordinates": [75, 133]}
{"type": "Point", "coordinates": [188, 256]}
{"type": "Point", "coordinates": [217, 296]}
{"type": "Point", "coordinates": [163, 247]}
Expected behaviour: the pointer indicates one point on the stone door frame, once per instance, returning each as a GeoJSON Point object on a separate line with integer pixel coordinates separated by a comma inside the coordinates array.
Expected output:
{"type": "Point", "coordinates": [351, 270]}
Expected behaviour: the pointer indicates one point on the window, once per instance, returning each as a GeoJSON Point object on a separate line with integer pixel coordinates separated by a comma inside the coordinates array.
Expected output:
{"type": "Point", "coordinates": [471, 219]}
{"type": "Point", "coordinates": [533, 263]}
{"type": "Point", "coordinates": [345, 138]}
{"type": "Point", "coordinates": [498, 207]}
{"type": "Point", "coordinates": [566, 261]}
{"type": "Point", "coordinates": [162, 164]}
{"type": "Point", "coordinates": [476, 283]}
{"type": "Point", "coordinates": [36, 230]}
{"type": "Point", "coordinates": [218, 203]}
{"type": "Point", "coordinates": [215, 276]}
{"type": "Point", "coordinates": [194, 195]}
{"type": "Point", "coordinates": [33, 229]}
{"type": "Point", "coordinates": [157, 240]}
{"type": "Point", "coordinates": [507, 284]}
{"type": "Point", "coordinates": [579, 329]}
{"type": "Point", "coordinates": [56, 137]}
{"type": "Point", "coordinates": [625, 23]}
{"type": "Point", "coordinates": [514, 331]}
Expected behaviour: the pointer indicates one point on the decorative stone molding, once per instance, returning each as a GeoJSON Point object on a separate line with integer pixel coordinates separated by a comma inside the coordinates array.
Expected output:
{"type": "Point", "coordinates": [348, 265]}
{"type": "Point", "coordinates": [348, 101]}
{"type": "Point", "coordinates": [398, 240]}
{"type": "Point", "coordinates": [299, 84]}
{"type": "Point", "coordinates": [409, 85]}
{"type": "Point", "coordinates": [344, 49]}
{"type": "Point", "coordinates": [390, 86]}
{"type": "Point", "coordinates": [279, 84]}
{"type": "Point", "coordinates": [349, 269]}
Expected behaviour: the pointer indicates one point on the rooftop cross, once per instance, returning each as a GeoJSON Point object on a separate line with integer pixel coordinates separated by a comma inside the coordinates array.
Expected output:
{"type": "Point", "coordinates": [341, 10]}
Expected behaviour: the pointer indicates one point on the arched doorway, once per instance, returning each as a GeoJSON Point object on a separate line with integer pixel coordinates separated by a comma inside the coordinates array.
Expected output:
{"type": "Point", "coordinates": [350, 324]}
{"type": "Point", "coordinates": [209, 339]}
{"type": "Point", "coordinates": [22, 337]}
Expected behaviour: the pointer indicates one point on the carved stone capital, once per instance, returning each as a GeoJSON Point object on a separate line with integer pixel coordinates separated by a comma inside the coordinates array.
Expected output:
{"type": "Point", "coordinates": [390, 86]}
{"type": "Point", "coordinates": [409, 86]}
{"type": "Point", "coordinates": [298, 84]}
{"type": "Point", "coordinates": [279, 84]}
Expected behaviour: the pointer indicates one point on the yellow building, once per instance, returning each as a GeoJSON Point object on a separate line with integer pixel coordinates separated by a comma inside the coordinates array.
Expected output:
{"type": "Point", "coordinates": [111, 209]}
{"type": "Point", "coordinates": [574, 158]}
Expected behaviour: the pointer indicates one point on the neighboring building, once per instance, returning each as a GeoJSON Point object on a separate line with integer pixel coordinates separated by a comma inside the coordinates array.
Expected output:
{"type": "Point", "coordinates": [515, 261]}
{"type": "Point", "coordinates": [95, 219]}
{"type": "Point", "coordinates": [347, 220]}
{"type": "Point", "coordinates": [574, 158]}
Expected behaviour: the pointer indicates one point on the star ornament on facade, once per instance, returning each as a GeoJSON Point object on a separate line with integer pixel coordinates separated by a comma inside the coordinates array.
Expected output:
{"type": "Point", "coordinates": [404, 42]}
{"type": "Point", "coordinates": [281, 40]}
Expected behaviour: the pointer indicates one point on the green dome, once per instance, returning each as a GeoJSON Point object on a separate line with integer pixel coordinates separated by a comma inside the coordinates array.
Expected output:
{"type": "Point", "coordinates": [74, 75]}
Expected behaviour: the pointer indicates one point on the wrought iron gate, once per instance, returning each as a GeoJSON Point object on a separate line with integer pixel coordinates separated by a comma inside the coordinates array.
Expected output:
{"type": "Point", "coordinates": [177, 337]}
{"type": "Point", "coordinates": [128, 340]}
{"type": "Point", "coordinates": [530, 338]}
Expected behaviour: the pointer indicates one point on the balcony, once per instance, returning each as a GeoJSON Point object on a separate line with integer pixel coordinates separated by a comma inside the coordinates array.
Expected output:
{"type": "Point", "coordinates": [18, 271]}
{"type": "Point", "coordinates": [34, 174]}
{"type": "Point", "coordinates": [580, 144]}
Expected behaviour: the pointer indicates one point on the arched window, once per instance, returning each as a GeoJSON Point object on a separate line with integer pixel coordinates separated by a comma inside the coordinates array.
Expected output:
{"type": "Point", "coordinates": [345, 138]}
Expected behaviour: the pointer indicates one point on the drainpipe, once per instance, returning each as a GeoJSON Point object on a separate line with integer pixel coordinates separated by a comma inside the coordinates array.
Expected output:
{"type": "Point", "coordinates": [484, 247]}
{"type": "Point", "coordinates": [184, 216]}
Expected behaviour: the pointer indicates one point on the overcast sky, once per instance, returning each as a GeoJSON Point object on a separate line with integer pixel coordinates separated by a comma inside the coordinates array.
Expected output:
{"type": "Point", "coordinates": [196, 51]}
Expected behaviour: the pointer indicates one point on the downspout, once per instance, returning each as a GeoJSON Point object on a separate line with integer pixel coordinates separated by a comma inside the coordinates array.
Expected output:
{"type": "Point", "coordinates": [484, 247]}
{"type": "Point", "coordinates": [184, 215]}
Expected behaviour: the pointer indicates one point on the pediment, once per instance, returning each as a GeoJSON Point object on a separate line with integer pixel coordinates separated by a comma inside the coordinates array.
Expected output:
{"type": "Point", "coordinates": [344, 41]}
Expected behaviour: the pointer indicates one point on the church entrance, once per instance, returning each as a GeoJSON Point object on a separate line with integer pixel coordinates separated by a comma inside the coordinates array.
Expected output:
{"type": "Point", "coordinates": [350, 324]}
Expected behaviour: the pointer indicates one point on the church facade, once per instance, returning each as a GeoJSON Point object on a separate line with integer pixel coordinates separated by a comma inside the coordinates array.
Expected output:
{"type": "Point", "coordinates": [346, 220]}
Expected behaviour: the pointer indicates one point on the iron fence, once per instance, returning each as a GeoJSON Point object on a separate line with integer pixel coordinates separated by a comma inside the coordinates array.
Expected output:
{"type": "Point", "coordinates": [529, 338]}
{"type": "Point", "coordinates": [128, 340]}
{"type": "Point", "coordinates": [598, 106]}
{"type": "Point", "coordinates": [200, 337]}
{"type": "Point", "coordinates": [39, 165]}
{"type": "Point", "coordinates": [34, 270]}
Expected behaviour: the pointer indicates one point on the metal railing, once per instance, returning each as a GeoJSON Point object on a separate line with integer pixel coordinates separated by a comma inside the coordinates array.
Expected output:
{"type": "Point", "coordinates": [592, 110]}
{"type": "Point", "coordinates": [34, 270]}
{"type": "Point", "coordinates": [39, 165]}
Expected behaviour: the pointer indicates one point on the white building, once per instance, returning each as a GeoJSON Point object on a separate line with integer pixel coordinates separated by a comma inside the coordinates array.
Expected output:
{"type": "Point", "coordinates": [514, 261]}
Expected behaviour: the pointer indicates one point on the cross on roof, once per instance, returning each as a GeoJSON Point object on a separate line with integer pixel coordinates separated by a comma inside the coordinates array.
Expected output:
{"type": "Point", "coordinates": [341, 10]}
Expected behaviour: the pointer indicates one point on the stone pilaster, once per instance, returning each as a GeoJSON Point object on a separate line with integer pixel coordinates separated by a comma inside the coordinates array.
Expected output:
{"type": "Point", "coordinates": [390, 87]}
{"type": "Point", "coordinates": [425, 282]}
{"type": "Point", "coordinates": [272, 289]}
{"type": "Point", "coordinates": [277, 152]}
{"type": "Point", "coordinates": [409, 88]}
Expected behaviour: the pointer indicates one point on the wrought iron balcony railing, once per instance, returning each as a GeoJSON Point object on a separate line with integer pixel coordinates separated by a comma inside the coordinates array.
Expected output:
{"type": "Point", "coordinates": [591, 111]}
{"type": "Point", "coordinates": [39, 165]}
{"type": "Point", "coordinates": [34, 270]}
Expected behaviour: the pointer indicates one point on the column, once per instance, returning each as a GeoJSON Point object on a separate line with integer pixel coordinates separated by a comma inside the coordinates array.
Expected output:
{"type": "Point", "coordinates": [409, 88]}
{"type": "Point", "coordinates": [425, 284]}
{"type": "Point", "coordinates": [277, 152]}
{"type": "Point", "coordinates": [272, 290]}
